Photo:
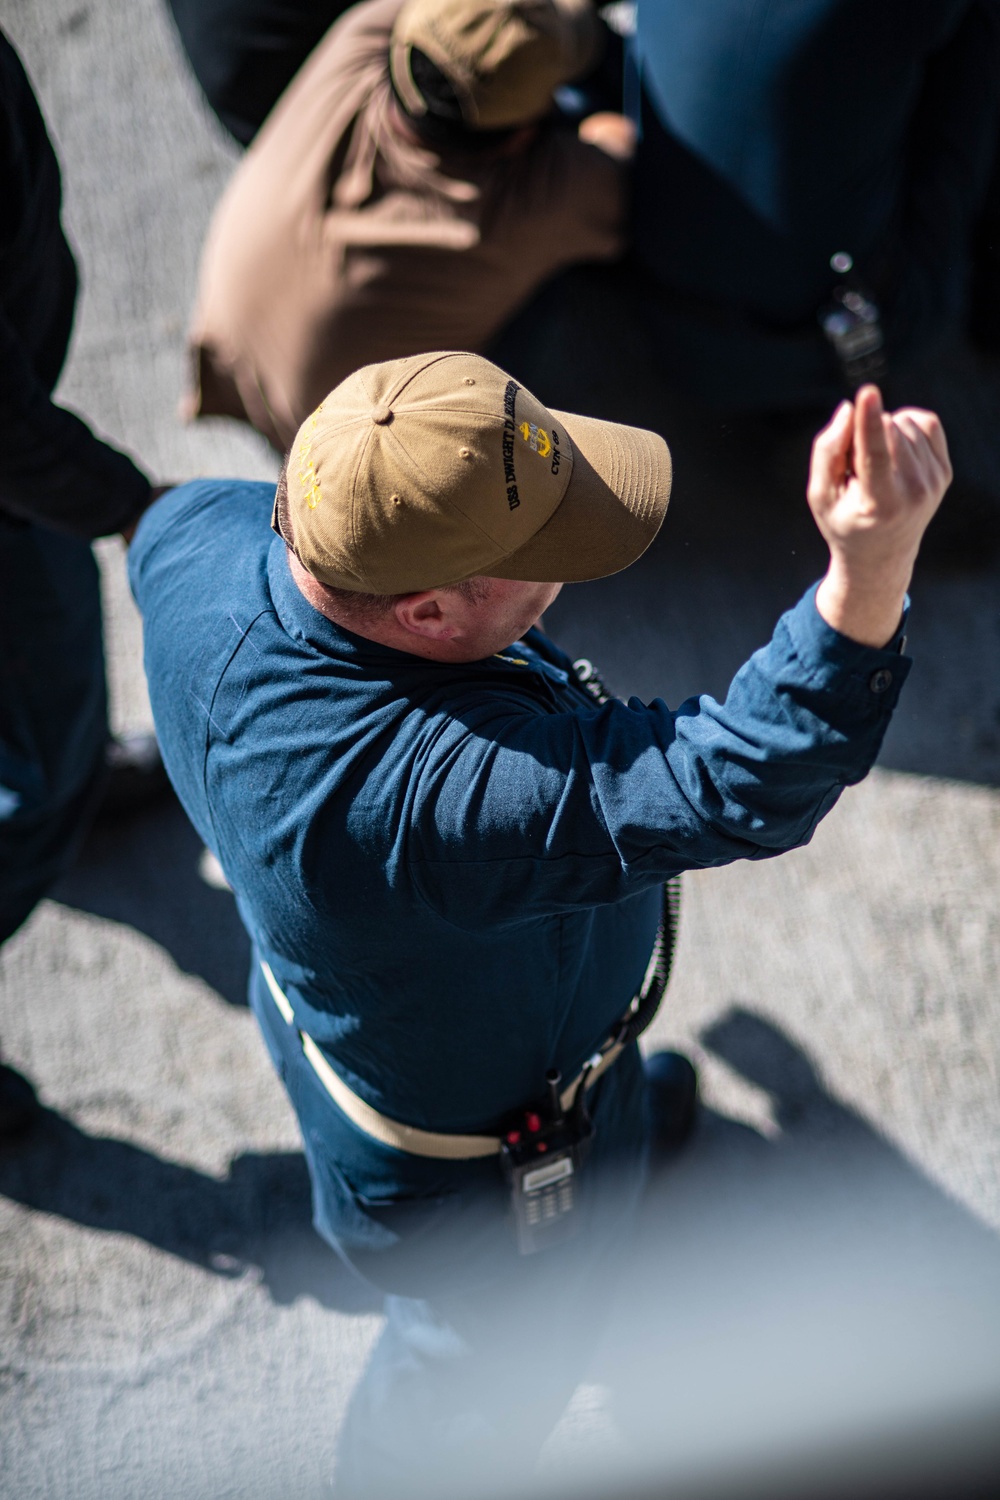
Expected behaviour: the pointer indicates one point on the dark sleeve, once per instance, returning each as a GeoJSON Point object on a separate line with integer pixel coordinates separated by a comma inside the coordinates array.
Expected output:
{"type": "Point", "coordinates": [547, 813]}
{"type": "Point", "coordinates": [245, 53]}
{"type": "Point", "coordinates": [53, 470]}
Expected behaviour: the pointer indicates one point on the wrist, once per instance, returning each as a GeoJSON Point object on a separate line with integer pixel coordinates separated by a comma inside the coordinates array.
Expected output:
{"type": "Point", "coordinates": [864, 608]}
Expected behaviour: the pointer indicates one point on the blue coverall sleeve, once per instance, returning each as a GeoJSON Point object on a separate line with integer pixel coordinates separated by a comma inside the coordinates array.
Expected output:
{"type": "Point", "coordinates": [553, 812]}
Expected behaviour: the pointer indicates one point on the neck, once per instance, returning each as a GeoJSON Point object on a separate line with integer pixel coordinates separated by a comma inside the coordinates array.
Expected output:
{"type": "Point", "coordinates": [383, 630]}
{"type": "Point", "coordinates": [315, 594]}
{"type": "Point", "coordinates": [461, 622]}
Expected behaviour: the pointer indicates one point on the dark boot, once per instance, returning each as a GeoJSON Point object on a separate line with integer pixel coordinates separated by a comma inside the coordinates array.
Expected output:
{"type": "Point", "coordinates": [672, 1089]}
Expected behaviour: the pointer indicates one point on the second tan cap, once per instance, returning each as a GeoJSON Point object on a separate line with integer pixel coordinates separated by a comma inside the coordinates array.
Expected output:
{"type": "Point", "coordinates": [430, 470]}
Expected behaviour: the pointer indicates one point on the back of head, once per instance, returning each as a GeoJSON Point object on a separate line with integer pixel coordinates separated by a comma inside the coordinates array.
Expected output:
{"type": "Point", "coordinates": [500, 60]}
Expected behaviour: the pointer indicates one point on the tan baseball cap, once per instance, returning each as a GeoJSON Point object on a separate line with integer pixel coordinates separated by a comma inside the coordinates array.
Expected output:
{"type": "Point", "coordinates": [503, 58]}
{"type": "Point", "coordinates": [426, 471]}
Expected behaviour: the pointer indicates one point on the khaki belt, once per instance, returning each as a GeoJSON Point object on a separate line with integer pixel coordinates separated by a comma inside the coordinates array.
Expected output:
{"type": "Point", "coordinates": [408, 1137]}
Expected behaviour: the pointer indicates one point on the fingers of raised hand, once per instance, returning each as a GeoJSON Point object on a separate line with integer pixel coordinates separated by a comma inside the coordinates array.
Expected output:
{"type": "Point", "coordinates": [929, 425]}
{"type": "Point", "coordinates": [909, 460]}
{"type": "Point", "coordinates": [830, 450]}
{"type": "Point", "coordinates": [873, 456]}
{"type": "Point", "coordinates": [924, 466]}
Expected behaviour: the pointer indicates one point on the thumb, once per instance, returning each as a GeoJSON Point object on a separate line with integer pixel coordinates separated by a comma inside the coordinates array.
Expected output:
{"type": "Point", "coordinates": [872, 455]}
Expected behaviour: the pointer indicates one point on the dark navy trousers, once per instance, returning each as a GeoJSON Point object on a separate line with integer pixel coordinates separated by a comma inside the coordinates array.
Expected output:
{"type": "Point", "coordinates": [53, 709]}
{"type": "Point", "coordinates": [482, 1347]}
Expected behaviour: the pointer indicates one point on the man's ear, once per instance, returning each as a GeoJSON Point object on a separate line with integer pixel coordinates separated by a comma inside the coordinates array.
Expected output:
{"type": "Point", "coordinates": [426, 615]}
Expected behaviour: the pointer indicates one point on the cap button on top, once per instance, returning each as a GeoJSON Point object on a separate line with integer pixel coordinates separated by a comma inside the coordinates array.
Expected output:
{"type": "Point", "coordinates": [381, 414]}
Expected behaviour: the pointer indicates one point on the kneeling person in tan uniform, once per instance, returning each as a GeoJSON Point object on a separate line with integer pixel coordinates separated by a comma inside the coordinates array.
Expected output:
{"type": "Point", "coordinates": [411, 189]}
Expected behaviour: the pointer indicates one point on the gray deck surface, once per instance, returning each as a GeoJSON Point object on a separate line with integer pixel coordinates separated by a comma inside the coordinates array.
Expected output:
{"type": "Point", "coordinates": [168, 1323]}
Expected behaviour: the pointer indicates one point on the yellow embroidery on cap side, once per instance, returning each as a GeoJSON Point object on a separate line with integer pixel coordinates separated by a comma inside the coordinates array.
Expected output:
{"type": "Point", "coordinates": [311, 492]}
{"type": "Point", "coordinates": [536, 438]}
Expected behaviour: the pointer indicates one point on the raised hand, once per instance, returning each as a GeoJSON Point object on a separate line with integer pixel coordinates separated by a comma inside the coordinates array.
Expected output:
{"type": "Point", "coordinates": [875, 481]}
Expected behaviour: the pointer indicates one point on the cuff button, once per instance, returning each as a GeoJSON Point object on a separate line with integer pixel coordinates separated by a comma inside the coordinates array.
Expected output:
{"type": "Point", "coordinates": [880, 680]}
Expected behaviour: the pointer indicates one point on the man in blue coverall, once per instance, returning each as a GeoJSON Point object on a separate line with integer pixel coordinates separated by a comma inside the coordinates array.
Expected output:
{"type": "Point", "coordinates": [450, 858]}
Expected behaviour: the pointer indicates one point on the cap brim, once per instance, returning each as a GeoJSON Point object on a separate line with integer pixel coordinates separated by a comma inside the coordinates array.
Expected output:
{"type": "Point", "coordinates": [613, 507]}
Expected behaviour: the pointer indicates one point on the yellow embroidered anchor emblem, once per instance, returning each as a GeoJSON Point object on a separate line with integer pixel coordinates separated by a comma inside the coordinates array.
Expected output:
{"type": "Point", "coordinates": [536, 438]}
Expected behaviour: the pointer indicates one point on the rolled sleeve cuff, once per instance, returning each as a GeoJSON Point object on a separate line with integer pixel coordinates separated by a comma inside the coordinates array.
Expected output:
{"type": "Point", "coordinates": [865, 680]}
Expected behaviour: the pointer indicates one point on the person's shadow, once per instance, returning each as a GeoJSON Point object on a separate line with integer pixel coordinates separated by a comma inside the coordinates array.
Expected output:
{"type": "Point", "coordinates": [782, 1282]}
{"type": "Point", "coordinates": [822, 1149]}
{"type": "Point", "coordinates": [147, 871]}
{"type": "Point", "coordinates": [826, 1172]}
{"type": "Point", "coordinates": [257, 1217]}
